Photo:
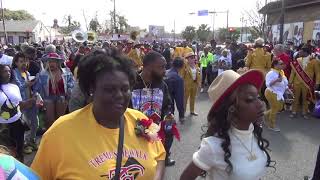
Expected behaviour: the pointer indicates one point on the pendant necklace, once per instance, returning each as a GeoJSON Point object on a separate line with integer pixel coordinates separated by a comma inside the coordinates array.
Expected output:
{"type": "Point", "coordinates": [252, 155]}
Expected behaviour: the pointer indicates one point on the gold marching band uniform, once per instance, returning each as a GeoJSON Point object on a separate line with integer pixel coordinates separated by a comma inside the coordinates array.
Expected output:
{"type": "Point", "coordinates": [136, 55]}
{"type": "Point", "coordinates": [259, 59]}
{"type": "Point", "coordinates": [311, 67]}
{"type": "Point", "coordinates": [190, 84]}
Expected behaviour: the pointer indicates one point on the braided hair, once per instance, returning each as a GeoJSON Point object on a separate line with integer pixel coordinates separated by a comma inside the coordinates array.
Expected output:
{"type": "Point", "coordinates": [220, 122]}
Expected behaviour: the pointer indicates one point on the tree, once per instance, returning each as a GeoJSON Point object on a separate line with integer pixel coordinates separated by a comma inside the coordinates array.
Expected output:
{"type": "Point", "coordinates": [256, 21]}
{"type": "Point", "coordinates": [94, 24]}
{"type": "Point", "coordinates": [72, 25]}
{"type": "Point", "coordinates": [224, 33]}
{"type": "Point", "coordinates": [203, 32]}
{"type": "Point", "coordinates": [189, 33]}
{"type": "Point", "coordinates": [122, 25]}
{"type": "Point", "coordinates": [17, 15]}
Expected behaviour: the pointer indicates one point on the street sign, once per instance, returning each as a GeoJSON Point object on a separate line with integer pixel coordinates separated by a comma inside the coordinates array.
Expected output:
{"type": "Point", "coordinates": [203, 13]}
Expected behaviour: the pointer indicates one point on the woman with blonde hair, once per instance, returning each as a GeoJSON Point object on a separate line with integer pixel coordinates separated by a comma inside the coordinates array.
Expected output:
{"type": "Point", "coordinates": [54, 84]}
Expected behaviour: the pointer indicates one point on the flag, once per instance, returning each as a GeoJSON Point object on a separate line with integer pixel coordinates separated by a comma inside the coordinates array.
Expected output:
{"type": "Point", "coordinates": [203, 13]}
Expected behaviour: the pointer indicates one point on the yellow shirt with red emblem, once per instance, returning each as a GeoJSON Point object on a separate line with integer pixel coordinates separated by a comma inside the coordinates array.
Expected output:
{"type": "Point", "coordinates": [77, 147]}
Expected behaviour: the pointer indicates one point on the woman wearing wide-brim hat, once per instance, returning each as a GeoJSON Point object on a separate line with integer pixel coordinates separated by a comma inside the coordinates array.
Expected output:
{"type": "Point", "coordinates": [54, 84]}
{"type": "Point", "coordinates": [233, 147]}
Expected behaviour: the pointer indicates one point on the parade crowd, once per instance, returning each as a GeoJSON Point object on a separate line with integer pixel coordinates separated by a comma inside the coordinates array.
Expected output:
{"type": "Point", "coordinates": [91, 102]}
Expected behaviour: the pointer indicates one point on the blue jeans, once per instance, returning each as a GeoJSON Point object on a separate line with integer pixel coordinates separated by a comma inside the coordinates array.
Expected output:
{"type": "Point", "coordinates": [31, 116]}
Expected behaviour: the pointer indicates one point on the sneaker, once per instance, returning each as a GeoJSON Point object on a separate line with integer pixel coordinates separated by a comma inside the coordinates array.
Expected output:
{"type": "Point", "coordinates": [33, 145]}
{"type": "Point", "coordinates": [305, 116]}
{"type": "Point", "coordinates": [170, 162]}
{"type": "Point", "coordinates": [27, 150]}
{"type": "Point", "coordinates": [194, 114]}
{"type": "Point", "coordinates": [201, 90]}
{"type": "Point", "coordinates": [293, 115]}
{"type": "Point", "coordinates": [275, 129]}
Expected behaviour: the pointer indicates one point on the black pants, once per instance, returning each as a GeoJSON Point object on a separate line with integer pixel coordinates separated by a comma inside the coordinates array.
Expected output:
{"type": "Point", "coordinates": [17, 133]}
{"type": "Point", "coordinates": [168, 144]}
{"type": "Point", "coordinates": [204, 76]}
{"type": "Point", "coordinates": [316, 174]}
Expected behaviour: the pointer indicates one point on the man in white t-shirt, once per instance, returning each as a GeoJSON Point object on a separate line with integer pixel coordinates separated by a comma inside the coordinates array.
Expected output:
{"type": "Point", "coordinates": [5, 59]}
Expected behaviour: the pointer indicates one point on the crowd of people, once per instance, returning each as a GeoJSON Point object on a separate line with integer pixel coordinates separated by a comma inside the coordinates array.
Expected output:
{"type": "Point", "coordinates": [96, 101]}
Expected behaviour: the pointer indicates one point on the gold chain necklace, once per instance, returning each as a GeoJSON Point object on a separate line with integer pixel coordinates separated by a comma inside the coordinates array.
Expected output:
{"type": "Point", "coordinates": [252, 156]}
{"type": "Point", "coordinates": [144, 83]}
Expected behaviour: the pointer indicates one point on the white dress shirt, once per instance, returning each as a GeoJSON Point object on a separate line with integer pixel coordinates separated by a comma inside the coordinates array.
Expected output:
{"type": "Point", "coordinates": [279, 87]}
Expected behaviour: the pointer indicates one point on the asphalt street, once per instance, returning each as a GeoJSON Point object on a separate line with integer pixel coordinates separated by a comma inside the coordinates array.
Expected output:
{"type": "Point", "coordinates": [294, 148]}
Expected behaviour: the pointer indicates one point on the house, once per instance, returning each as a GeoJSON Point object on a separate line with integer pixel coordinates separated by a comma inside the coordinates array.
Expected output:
{"type": "Point", "coordinates": [26, 31]}
{"type": "Point", "coordinates": [301, 20]}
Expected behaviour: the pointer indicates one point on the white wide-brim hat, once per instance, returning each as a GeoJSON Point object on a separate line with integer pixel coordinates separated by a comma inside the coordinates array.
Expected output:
{"type": "Point", "coordinates": [228, 81]}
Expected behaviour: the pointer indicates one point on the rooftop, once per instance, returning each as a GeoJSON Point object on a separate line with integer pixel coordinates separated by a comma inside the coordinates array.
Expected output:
{"type": "Point", "coordinates": [275, 6]}
{"type": "Point", "coordinates": [19, 26]}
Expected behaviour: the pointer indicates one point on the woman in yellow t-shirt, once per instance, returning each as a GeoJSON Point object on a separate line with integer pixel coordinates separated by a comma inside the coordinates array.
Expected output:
{"type": "Point", "coordinates": [84, 144]}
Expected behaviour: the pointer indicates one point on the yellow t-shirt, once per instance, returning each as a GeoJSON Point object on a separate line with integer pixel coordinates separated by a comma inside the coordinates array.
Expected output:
{"type": "Point", "coordinates": [77, 147]}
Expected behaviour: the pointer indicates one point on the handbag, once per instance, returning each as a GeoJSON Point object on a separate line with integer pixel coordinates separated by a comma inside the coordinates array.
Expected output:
{"type": "Point", "coordinates": [120, 150]}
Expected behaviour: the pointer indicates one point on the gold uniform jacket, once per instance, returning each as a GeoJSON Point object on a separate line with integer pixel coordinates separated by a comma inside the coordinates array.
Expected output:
{"type": "Point", "coordinates": [312, 70]}
{"type": "Point", "coordinates": [259, 59]}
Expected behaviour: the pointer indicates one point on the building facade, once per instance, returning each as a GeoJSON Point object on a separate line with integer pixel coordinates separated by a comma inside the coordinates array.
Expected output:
{"type": "Point", "coordinates": [27, 31]}
{"type": "Point", "coordinates": [301, 21]}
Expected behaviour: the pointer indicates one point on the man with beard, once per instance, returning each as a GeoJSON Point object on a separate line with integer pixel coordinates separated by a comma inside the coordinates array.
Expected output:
{"type": "Point", "coordinates": [151, 96]}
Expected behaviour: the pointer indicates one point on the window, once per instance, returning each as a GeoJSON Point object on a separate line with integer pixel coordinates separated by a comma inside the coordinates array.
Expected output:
{"type": "Point", "coordinates": [21, 39]}
{"type": "Point", "coordinates": [10, 39]}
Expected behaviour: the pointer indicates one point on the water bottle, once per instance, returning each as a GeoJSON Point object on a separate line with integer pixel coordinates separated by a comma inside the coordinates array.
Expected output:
{"type": "Point", "coordinates": [39, 100]}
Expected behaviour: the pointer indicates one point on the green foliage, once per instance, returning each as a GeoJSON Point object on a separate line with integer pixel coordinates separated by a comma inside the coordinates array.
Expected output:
{"type": "Point", "coordinates": [121, 22]}
{"type": "Point", "coordinates": [94, 25]}
{"type": "Point", "coordinates": [203, 32]}
{"type": "Point", "coordinates": [224, 34]}
{"type": "Point", "coordinates": [189, 33]}
{"type": "Point", "coordinates": [70, 28]}
{"type": "Point", "coordinates": [17, 15]}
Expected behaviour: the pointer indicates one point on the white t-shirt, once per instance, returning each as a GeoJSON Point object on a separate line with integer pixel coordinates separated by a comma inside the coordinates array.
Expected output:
{"type": "Point", "coordinates": [6, 60]}
{"type": "Point", "coordinates": [194, 73]}
{"type": "Point", "coordinates": [8, 114]}
{"type": "Point", "coordinates": [210, 157]}
{"type": "Point", "coordinates": [279, 87]}
{"type": "Point", "coordinates": [228, 62]}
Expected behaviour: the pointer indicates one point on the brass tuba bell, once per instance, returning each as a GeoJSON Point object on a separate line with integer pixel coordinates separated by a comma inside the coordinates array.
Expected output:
{"type": "Point", "coordinates": [79, 36]}
{"type": "Point", "coordinates": [92, 37]}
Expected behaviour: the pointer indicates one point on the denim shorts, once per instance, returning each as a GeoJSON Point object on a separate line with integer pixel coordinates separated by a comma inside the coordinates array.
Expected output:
{"type": "Point", "coordinates": [55, 98]}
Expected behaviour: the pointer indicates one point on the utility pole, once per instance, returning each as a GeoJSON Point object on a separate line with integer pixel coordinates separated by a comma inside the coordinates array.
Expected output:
{"type": "Point", "coordinates": [213, 13]}
{"type": "Point", "coordinates": [282, 22]}
{"type": "Point", "coordinates": [241, 19]}
{"type": "Point", "coordinates": [228, 24]}
{"type": "Point", "coordinates": [114, 17]}
{"type": "Point", "coordinates": [213, 16]}
{"type": "Point", "coordinates": [264, 22]}
{"type": "Point", "coordinates": [4, 25]}
{"type": "Point", "coordinates": [174, 31]}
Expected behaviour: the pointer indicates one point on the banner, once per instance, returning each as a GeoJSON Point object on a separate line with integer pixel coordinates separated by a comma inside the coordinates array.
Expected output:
{"type": "Point", "coordinates": [297, 33]}
{"type": "Point", "coordinates": [291, 32]}
{"type": "Point", "coordinates": [316, 33]}
{"type": "Point", "coordinates": [156, 30]}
